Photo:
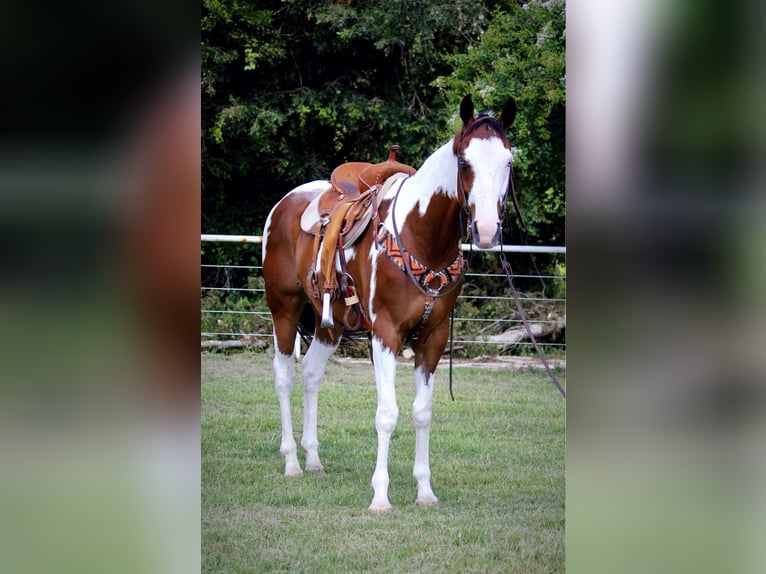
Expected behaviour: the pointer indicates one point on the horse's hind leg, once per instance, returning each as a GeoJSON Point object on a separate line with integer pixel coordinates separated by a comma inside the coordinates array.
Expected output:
{"type": "Point", "coordinates": [285, 311]}
{"type": "Point", "coordinates": [284, 371]}
{"type": "Point", "coordinates": [320, 350]}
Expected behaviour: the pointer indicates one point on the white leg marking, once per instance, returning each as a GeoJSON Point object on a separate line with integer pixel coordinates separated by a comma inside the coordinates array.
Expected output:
{"type": "Point", "coordinates": [422, 408]}
{"type": "Point", "coordinates": [385, 421]}
{"type": "Point", "coordinates": [313, 370]}
{"type": "Point", "coordinates": [284, 369]}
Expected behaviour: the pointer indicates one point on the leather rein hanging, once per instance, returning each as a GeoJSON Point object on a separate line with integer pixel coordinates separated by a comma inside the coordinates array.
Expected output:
{"type": "Point", "coordinates": [505, 264]}
{"type": "Point", "coordinates": [520, 309]}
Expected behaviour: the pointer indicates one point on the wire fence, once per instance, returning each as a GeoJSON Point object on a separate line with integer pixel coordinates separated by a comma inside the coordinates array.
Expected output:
{"type": "Point", "coordinates": [235, 314]}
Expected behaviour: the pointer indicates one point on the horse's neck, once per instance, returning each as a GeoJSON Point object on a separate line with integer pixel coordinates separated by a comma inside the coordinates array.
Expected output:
{"type": "Point", "coordinates": [438, 174]}
{"type": "Point", "coordinates": [431, 195]}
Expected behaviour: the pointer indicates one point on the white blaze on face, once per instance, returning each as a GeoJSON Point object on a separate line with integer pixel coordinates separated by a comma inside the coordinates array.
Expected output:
{"type": "Point", "coordinates": [490, 161]}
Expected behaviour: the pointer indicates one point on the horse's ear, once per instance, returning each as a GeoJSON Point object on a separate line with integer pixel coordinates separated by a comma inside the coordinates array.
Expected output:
{"type": "Point", "coordinates": [466, 109]}
{"type": "Point", "coordinates": [509, 113]}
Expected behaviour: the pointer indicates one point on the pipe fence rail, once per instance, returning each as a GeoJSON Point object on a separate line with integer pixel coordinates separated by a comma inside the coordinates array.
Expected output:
{"type": "Point", "coordinates": [234, 310]}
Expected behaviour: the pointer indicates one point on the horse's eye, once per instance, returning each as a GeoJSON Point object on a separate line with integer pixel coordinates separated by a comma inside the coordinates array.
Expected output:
{"type": "Point", "coordinates": [461, 162]}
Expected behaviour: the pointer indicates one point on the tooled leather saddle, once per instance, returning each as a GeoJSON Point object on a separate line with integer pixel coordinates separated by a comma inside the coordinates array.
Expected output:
{"type": "Point", "coordinates": [337, 218]}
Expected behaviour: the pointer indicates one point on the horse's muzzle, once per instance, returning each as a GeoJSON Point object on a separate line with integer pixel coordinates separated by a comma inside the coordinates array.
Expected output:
{"type": "Point", "coordinates": [480, 240]}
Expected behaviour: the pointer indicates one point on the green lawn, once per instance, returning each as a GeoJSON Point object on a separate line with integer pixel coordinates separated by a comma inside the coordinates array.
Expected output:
{"type": "Point", "coordinates": [497, 463]}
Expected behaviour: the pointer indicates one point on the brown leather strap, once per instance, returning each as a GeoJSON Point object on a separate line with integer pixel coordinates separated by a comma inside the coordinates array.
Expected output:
{"type": "Point", "coordinates": [509, 273]}
{"type": "Point", "coordinates": [330, 245]}
{"type": "Point", "coordinates": [311, 279]}
{"type": "Point", "coordinates": [348, 292]}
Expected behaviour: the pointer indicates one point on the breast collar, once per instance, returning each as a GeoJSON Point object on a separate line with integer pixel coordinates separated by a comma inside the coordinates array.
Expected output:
{"type": "Point", "coordinates": [420, 274]}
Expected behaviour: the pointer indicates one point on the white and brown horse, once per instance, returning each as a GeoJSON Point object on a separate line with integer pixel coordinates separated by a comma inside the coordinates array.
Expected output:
{"type": "Point", "coordinates": [407, 273]}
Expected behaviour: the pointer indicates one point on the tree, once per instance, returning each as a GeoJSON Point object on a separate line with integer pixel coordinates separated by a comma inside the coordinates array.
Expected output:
{"type": "Point", "coordinates": [292, 88]}
{"type": "Point", "coordinates": [522, 54]}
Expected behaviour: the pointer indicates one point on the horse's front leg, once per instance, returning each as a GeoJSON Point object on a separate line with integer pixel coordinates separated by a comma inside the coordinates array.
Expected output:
{"type": "Point", "coordinates": [385, 421]}
{"type": "Point", "coordinates": [313, 371]}
{"type": "Point", "coordinates": [422, 408]}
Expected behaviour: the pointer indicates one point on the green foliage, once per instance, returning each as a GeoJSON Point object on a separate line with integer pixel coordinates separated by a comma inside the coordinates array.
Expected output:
{"type": "Point", "coordinates": [290, 91]}
{"type": "Point", "coordinates": [522, 54]}
{"type": "Point", "coordinates": [292, 88]}
{"type": "Point", "coordinates": [418, 33]}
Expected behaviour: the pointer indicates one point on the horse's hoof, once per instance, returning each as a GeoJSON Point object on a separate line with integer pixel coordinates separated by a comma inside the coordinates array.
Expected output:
{"type": "Point", "coordinates": [379, 509]}
{"type": "Point", "coordinates": [316, 470]}
{"type": "Point", "coordinates": [294, 472]}
{"type": "Point", "coordinates": [429, 502]}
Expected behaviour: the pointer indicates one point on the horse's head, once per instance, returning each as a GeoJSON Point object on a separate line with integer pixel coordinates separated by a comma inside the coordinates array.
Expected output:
{"type": "Point", "coordinates": [484, 169]}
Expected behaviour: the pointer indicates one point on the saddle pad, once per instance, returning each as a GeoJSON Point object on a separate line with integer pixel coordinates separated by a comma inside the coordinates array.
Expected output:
{"type": "Point", "coordinates": [310, 216]}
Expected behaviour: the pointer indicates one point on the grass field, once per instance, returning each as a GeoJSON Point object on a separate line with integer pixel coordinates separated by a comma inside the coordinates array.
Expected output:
{"type": "Point", "coordinates": [497, 463]}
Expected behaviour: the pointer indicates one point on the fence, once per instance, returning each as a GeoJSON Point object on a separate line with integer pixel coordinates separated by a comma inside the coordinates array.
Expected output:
{"type": "Point", "coordinates": [234, 311]}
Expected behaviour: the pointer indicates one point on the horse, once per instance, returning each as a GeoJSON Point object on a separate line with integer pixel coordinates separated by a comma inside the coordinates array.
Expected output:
{"type": "Point", "coordinates": [407, 270]}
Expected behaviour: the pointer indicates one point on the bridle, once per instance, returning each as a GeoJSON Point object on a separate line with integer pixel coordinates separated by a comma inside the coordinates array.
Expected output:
{"type": "Point", "coordinates": [493, 123]}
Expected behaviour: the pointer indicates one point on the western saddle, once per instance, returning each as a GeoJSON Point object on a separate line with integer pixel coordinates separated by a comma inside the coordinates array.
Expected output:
{"type": "Point", "coordinates": [344, 212]}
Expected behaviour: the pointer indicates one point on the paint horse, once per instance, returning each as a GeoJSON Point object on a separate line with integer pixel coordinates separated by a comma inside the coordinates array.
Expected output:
{"type": "Point", "coordinates": [407, 270]}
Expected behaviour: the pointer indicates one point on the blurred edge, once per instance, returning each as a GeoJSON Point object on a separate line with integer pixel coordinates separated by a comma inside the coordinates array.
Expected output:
{"type": "Point", "coordinates": [665, 148]}
{"type": "Point", "coordinates": [99, 210]}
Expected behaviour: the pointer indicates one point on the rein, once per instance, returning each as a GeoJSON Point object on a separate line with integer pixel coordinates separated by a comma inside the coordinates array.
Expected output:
{"type": "Point", "coordinates": [486, 119]}
{"type": "Point", "coordinates": [520, 309]}
{"type": "Point", "coordinates": [509, 273]}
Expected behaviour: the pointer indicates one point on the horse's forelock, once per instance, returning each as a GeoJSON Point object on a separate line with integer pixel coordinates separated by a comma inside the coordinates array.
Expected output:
{"type": "Point", "coordinates": [484, 119]}
{"type": "Point", "coordinates": [487, 119]}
